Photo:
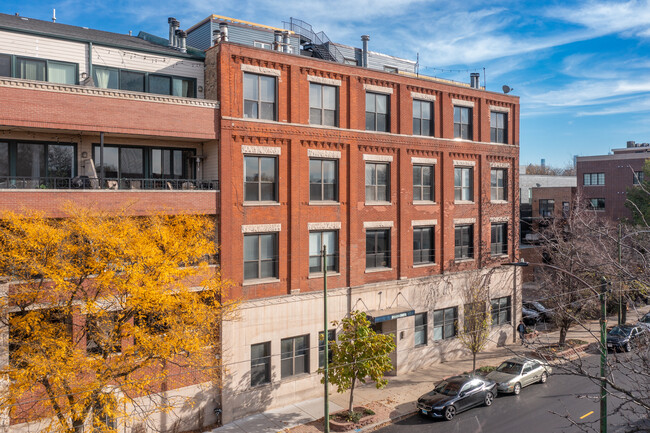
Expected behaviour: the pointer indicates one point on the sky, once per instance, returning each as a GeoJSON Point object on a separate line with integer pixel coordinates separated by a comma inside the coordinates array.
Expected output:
{"type": "Point", "coordinates": [580, 68]}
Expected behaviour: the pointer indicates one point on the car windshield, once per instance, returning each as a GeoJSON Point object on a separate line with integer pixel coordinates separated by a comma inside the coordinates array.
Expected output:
{"type": "Point", "coordinates": [539, 306]}
{"type": "Point", "coordinates": [624, 332]}
{"type": "Point", "coordinates": [509, 367]}
{"type": "Point", "coordinates": [447, 388]}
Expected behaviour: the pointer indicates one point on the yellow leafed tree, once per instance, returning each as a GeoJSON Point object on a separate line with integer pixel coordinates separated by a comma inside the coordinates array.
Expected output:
{"type": "Point", "coordinates": [104, 312]}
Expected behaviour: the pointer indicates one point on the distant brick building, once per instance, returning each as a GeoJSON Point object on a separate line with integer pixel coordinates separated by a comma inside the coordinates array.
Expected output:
{"type": "Point", "coordinates": [410, 182]}
{"type": "Point", "coordinates": [603, 180]}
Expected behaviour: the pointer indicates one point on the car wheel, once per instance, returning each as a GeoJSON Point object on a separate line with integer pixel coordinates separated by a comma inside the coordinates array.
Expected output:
{"type": "Point", "coordinates": [628, 347]}
{"type": "Point", "coordinates": [517, 389]}
{"type": "Point", "coordinates": [543, 378]}
{"type": "Point", "coordinates": [450, 412]}
{"type": "Point", "coordinates": [489, 398]}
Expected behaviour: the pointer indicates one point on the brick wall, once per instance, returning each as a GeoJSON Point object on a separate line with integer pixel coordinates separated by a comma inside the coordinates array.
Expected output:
{"type": "Point", "coordinates": [293, 135]}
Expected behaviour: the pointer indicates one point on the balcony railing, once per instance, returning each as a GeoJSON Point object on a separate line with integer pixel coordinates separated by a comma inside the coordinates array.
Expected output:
{"type": "Point", "coordinates": [89, 183]}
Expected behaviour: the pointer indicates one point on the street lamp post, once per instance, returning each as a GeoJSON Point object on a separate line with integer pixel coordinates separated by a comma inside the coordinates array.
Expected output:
{"type": "Point", "coordinates": [326, 408]}
{"type": "Point", "coordinates": [603, 336]}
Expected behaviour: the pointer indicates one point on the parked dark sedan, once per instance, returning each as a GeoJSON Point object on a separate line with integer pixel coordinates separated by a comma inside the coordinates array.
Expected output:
{"type": "Point", "coordinates": [623, 337]}
{"type": "Point", "coordinates": [530, 317]}
{"type": "Point", "coordinates": [456, 394]}
{"type": "Point", "coordinates": [546, 314]}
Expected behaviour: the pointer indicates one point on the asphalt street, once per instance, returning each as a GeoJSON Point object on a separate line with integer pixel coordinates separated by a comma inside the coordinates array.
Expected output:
{"type": "Point", "coordinates": [540, 408]}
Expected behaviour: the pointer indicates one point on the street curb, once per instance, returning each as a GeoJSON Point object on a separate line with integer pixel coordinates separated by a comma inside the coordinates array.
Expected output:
{"type": "Point", "coordinates": [387, 422]}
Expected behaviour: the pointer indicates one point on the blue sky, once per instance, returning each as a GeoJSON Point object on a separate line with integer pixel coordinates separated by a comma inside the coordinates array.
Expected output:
{"type": "Point", "coordinates": [581, 68]}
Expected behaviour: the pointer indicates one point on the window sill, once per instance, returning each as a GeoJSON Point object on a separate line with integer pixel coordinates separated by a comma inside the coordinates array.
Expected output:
{"type": "Point", "coordinates": [499, 201]}
{"type": "Point", "coordinates": [378, 203]}
{"type": "Point", "coordinates": [261, 385]}
{"type": "Point", "coordinates": [261, 203]}
{"type": "Point", "coordinates": [424, 202]}
{"type": "Point", "coordinates": [424, 265]}
{"type": "Point", "coordinates": [295, 377]}
{"type": "Point", "coordinates": [373, 270]}
{"type": "Point", "coordinates": [324, 203]}
{"type": "Point", "coordinates": [463, 202]}
{"type": "Point", "coordinates": [499, 256]}
{"type": "Point", "coordinates": [260, 281]}
{"type": "Point", "coordinates": [464, 260]}
{"type": "Point", "coordinates": [320, 275]}
{"type": "Point", "coordinates": [420, 346]}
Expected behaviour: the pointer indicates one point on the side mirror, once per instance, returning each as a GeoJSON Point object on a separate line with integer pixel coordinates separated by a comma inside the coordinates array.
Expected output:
{"type": "Point", "coordinates": [462, 394]}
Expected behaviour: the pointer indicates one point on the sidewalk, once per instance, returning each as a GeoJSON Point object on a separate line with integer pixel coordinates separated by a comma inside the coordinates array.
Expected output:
{"type": "Point", "coordinates": [397, 399]}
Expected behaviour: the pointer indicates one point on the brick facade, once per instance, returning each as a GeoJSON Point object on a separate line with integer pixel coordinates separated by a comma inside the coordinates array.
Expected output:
{"type": "Point", "coordinates": [293, 135]}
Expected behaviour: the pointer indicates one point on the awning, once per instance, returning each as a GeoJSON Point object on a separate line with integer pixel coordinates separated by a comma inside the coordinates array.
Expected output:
{"type": "Point", "coordinates": [378, 316]}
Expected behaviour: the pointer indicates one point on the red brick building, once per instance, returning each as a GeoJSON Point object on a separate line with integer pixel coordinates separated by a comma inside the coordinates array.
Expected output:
{"type": "Point", "coordinates": [410, 182]}
{"type": "Point", "coordinates": [603, 180]}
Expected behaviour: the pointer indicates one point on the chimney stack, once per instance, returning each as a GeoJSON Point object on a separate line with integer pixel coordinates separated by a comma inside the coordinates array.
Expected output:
{"type": "Point", "coordinates": [53, 15]}
{"type": "Point", "coordinates": [631, 144]}
{"type": "Point", "coordinates": [175, 40]}
{"type": "Point", "coordinates": [364, 52]}
{"type": "Point", "coordinates": [223, 27]}
{"type": "Point", "coordinates": [474, 80]}
{"type": "Point", "coordinates": [216, 37]}
{"type": "Point", "coordinates": [277, 40]}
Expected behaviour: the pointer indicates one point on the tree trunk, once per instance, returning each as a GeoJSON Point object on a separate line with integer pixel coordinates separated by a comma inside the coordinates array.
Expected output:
{"type": "Point", "coordinates": [563, 331]}
{"type": "Point", "coordinates": [351, 395]}
{"type": "Point", "coordinates": [474, 364]}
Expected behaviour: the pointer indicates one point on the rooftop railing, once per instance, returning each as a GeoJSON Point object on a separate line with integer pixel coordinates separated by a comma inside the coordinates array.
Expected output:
{"type": "Point", "coordinates": [89, 183]}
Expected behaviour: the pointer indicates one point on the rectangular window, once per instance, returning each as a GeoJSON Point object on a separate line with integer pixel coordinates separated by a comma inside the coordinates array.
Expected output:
{"type": "Point", "coordinates": [260, 363]}
{"type": "Point", "coordinates": [5, 164]}
{"type": "Point", "coordinates": [106, 78]}
{"type": "Point", "coordinates": [129, 162]}
{"type": "Point", "coordinates": [464, 242]}
{"type": "Point", "coordinates": [294, 356]}
{"type": "Point", "coordinates": [101, 334]}
{"type": "Point", "coordinates": [594, 179]}
{"type": "Point", "coordinates": [5, 65]}
{"type": "Point", "coordinates": [323, 180]}
{"type": "Point", "coordinates": [499, 242]}
{"type": "Point", "coordinates": [463, 123]}
{"type": "Point", "coordinates": [62, 73]}
{"type": "Point", "coordinates": [259, 97]}
{"type": "Point", "coordinates": [260, 256]}
{"type": "Point", "coordinates": [331, 339]}
{"type": "Point", "coordinates": [31, 69]}
{"type": "Point", "coordinates": [264, 45]}
{"type": "Point", "coordinates": [423, 251]}
{"type": "Point", "coordinates": [422, 118]}
{"type": "Point", "coordinates": [377, 112]}
{"type": "Point", "coordinates": [160, 85]}
{"type": "Point", "coordinates": [377, 182]}
{"type": "Point", "coordinates": [133, 81]}
{"type": "Point", "coordinates": [40, 160]}
{"type": "Point", "coordinates": [317, 240]}
{"type": "Point", "coordinates": [260, 174]}
{"type": "Point", "coordinates": [638, 178]}
{"type": "Point", "coordinates": [391, 69]}
{"type": "Point", "coordinates": [597, 203]}
{"type": "Point", "coordinates": [498, 127]}
{"type": "Point", "coordinates": [322, 105]}
{"type": "Point", "coordinates": [500, 310]}
{"type": "Point", "coordinates": [498, 185]}
{"type": "Point", "coordinates": [423, 183]}
{"type": "Point", "coordinates": [377, 249]}
{"type": "Point", "coordinates": [463, 184]}
{"type": "Point", "coordinates": [445, 323]}
{"type": "Point", "coordinates": [546, 208]}
{"type": "Point", "coordinates": [421, 329]}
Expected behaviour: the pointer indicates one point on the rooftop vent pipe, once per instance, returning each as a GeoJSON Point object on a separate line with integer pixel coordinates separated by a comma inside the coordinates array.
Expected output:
{"type": "Point", "coordinates": [224, 31]}
{"type": "Point", "coordinates": [170, 20]}
{"type": "Point", "coordinates": [474, 80]}
{"type": "Point", "coordinates": [631, 144]}
{"type": "Point", "coordinates": [277, 40]}
{"type": "Point", "coordinates": [364, 52]}
{"type": "Point", "coordinates": [286, 42]}
{"type": "Point", "coordinates": [216, 37]}
{"type": "Point", "coordinates": [182, 37]}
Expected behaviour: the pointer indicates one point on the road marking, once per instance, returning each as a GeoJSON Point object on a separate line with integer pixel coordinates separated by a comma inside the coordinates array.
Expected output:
{"type": "Point", "coordinates": [586, 415]}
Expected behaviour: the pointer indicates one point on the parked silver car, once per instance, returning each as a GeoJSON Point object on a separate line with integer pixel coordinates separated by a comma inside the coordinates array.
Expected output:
{"type": "Point", "coordinates": [516, 373]}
